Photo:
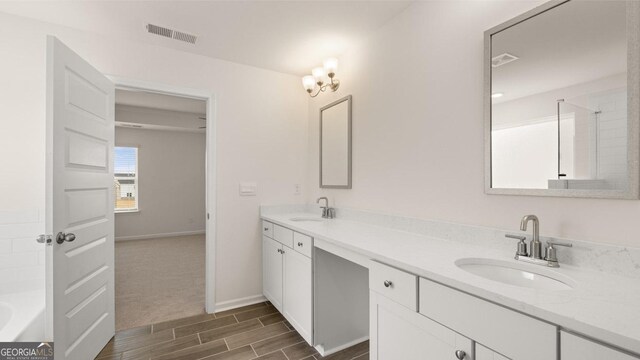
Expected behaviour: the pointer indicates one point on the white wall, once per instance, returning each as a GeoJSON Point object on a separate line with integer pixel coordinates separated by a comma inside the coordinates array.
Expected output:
{"type": "Point", "coordinates": [171, 183]}
{"type": "Point", "coordinates": [418, 140]}
{"type": "Point", "coordinates": [261, 117]}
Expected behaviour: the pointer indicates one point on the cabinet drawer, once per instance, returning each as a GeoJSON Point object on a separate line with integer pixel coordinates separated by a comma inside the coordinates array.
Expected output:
{"type": "Point", "coordinates": [302, 244]}
{"type": "Point", "coordinates": [267, 229]}
{"type": "Point", "coordinates": [578, 348]}
{"type": "Point", "coordinates": [506, 331]}
{"type": "Point", "coordinates": [283, 235]}
{"type": "Point", "coordinates": [395, 284]}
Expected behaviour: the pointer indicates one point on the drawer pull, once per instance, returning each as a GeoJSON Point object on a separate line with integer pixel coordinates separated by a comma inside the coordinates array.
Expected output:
{"type": "Point", "coordinates": [388, 283]}
{"type": "Point", "coordinates": [460, 354]}
{"type": "Point", "coordinates": [300, 244]}
{"type": "Point", "coordinates": [266, 229]}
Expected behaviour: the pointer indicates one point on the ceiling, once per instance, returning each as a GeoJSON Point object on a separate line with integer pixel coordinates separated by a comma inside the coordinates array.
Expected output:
{"type": "Point", "coordinates": [574, 43]}
{"type": "Point", "coordinates": [285, 36]}
{"type": "Point", "coordinates": [160, 101]}
{"type": "Point", "coordinates": [146, 110]}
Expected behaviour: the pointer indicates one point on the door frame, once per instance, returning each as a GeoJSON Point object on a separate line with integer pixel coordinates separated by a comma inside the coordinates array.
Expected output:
{"type": "Point", "coordinates": [124, 83]}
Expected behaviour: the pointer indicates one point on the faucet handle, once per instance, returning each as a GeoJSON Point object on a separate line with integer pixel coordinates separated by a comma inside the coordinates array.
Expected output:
{"type": "Point", "coordinates": [522, 246]}
{"type": "Point", "coordinates": [551, 243]}
{"type": "Point", "coordinates": [551, 252]}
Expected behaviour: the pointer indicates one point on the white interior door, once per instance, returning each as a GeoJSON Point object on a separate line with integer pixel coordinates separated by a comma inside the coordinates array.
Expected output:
{"type": "Point", "coordinates": [79, 203]}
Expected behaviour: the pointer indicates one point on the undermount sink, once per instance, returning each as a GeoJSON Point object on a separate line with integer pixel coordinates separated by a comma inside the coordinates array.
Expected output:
{"type": "Point", "coordinates": [317, 219]}
{"type": "Point", "coordinates": [524, 275]}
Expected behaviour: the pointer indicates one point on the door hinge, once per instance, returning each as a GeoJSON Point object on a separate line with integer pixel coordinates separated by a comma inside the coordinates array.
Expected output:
{"type": "Point", "coordinates": [45, 239]}
{"type": "Point", "coordinates": [208, 217]}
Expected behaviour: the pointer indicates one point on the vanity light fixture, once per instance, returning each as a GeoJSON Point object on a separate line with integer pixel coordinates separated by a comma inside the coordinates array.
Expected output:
{"type": "Point", "coordinates": [497, 95]}
{"type": "Point", "coordinates": [318, 78]}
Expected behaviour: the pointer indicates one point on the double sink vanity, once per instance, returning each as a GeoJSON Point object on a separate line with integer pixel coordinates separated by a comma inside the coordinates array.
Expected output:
{"type": "Point", "coordinates": [422, 289]}
{"type": "Point", "coordinates": [559, 122]}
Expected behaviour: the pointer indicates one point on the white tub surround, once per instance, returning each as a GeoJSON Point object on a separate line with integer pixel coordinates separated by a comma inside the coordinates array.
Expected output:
{"type": "Point", "coordinates": [22, 260]}
{"type": "Point", "coordinates": [22, 316]}
{"type": "Point", "coordinates": [603, 305]}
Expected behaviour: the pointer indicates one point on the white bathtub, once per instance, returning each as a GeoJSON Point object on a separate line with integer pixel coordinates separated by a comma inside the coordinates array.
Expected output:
{"type": "Point", "coordinates": [22, 316]}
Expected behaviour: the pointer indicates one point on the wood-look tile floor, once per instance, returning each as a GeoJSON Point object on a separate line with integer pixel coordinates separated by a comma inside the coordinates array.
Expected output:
{"type": "Point", "coordinates": [252, 332]}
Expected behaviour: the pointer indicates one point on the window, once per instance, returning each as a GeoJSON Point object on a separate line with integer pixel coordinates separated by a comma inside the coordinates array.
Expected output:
{"type": "Point", "coordinates": [126, 179]}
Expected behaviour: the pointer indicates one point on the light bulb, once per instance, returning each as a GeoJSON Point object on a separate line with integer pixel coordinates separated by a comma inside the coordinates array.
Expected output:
{"type": "Point", "coordinates": [318, 73]}
{"type": "Point", "coordinates": [330, 66]}
{"type": "Point", "coordinates": [309, 82]}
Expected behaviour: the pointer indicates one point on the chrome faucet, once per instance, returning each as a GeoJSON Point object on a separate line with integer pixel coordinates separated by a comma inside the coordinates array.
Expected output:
{"type": "Point", "coordinates": [535, 245]}
{"type": "Point", "coordinates": [535, 256]}
{"type": "Point", "coordinates": [327, 212]}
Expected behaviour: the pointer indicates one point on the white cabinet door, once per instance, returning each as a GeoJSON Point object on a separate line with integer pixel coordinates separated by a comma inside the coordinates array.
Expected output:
{"type": "Point", "coordinates": [577, 348]}
{"type": "Point", "coordinates": [272, 271]}
{"type": "Point", "coordinates": [399, 333]}
{"type": "Point", "coordinates": [298, 292]}
{"type": "Point", "coordinates": [483, 353]}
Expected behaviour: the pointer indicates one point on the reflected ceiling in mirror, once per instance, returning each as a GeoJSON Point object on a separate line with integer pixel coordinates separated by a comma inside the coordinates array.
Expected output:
{"type": "Point", "coordinates": [557, 96]}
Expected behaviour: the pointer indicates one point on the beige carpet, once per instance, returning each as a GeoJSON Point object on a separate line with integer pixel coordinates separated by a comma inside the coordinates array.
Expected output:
{"type": "Point", "coordinates": [159, 280]}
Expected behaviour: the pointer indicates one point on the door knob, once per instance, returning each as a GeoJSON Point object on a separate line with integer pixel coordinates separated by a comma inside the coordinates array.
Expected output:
{"type": "Point", "coordinates": [44, 239]}
{"type": "Point", "coordinates": [62, 237]}
{"type": "Point", "coordinates": [460, 354]}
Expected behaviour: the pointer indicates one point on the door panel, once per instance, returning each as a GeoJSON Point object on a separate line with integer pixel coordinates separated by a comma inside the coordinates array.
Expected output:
{"type": "Point", "coordinates": [80, 136]}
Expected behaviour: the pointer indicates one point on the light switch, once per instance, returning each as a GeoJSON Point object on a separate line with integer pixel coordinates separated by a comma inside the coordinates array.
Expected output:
{"type": "Point", "coordinates": [248, 189]}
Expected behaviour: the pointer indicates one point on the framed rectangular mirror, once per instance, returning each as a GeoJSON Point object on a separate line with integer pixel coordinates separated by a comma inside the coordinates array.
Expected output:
{"type": "Point", "coordinates": [562, 91]}
{"type": "Point", "coordinates": [335, 144]}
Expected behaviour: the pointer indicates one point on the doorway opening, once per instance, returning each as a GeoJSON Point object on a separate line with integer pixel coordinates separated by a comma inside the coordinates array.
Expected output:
{"type": "Point", "coordinates": [160, 202]}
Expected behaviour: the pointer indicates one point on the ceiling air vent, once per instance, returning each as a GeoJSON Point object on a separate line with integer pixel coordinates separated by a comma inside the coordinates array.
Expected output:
{"type": "Point", "coordinates": [170, 33]}
{"type": "Point", "coordinates": [159, 30]}
{"type": "Point", "coordinates": [179, 35]}
{"type": "Point", "coordinates": [502, 59]}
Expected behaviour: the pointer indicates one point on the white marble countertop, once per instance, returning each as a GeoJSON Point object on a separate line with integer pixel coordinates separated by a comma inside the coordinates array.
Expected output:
{"type": "Point", "coordinates": [601, 305]}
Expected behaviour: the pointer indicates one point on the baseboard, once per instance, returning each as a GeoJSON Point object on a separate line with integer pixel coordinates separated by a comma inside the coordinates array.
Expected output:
{"type": "Point", "coordinates": [325, 352]}
{"type": "Point", "coordinates": [162, 235]}
{"type": "Point", "coordinates": [236, 303]}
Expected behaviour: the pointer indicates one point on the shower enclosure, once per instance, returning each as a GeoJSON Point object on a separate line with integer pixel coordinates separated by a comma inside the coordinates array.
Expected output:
{"type": "Point", "coordinates": [592, 141]}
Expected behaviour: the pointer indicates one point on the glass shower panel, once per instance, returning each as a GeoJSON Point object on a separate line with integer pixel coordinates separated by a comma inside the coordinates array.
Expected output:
{"type": "Point", "coordinates": [592, 140]}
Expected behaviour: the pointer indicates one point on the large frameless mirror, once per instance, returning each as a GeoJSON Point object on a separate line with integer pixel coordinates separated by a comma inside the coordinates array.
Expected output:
{"type": "Point", "coordinates": [561, 95]}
